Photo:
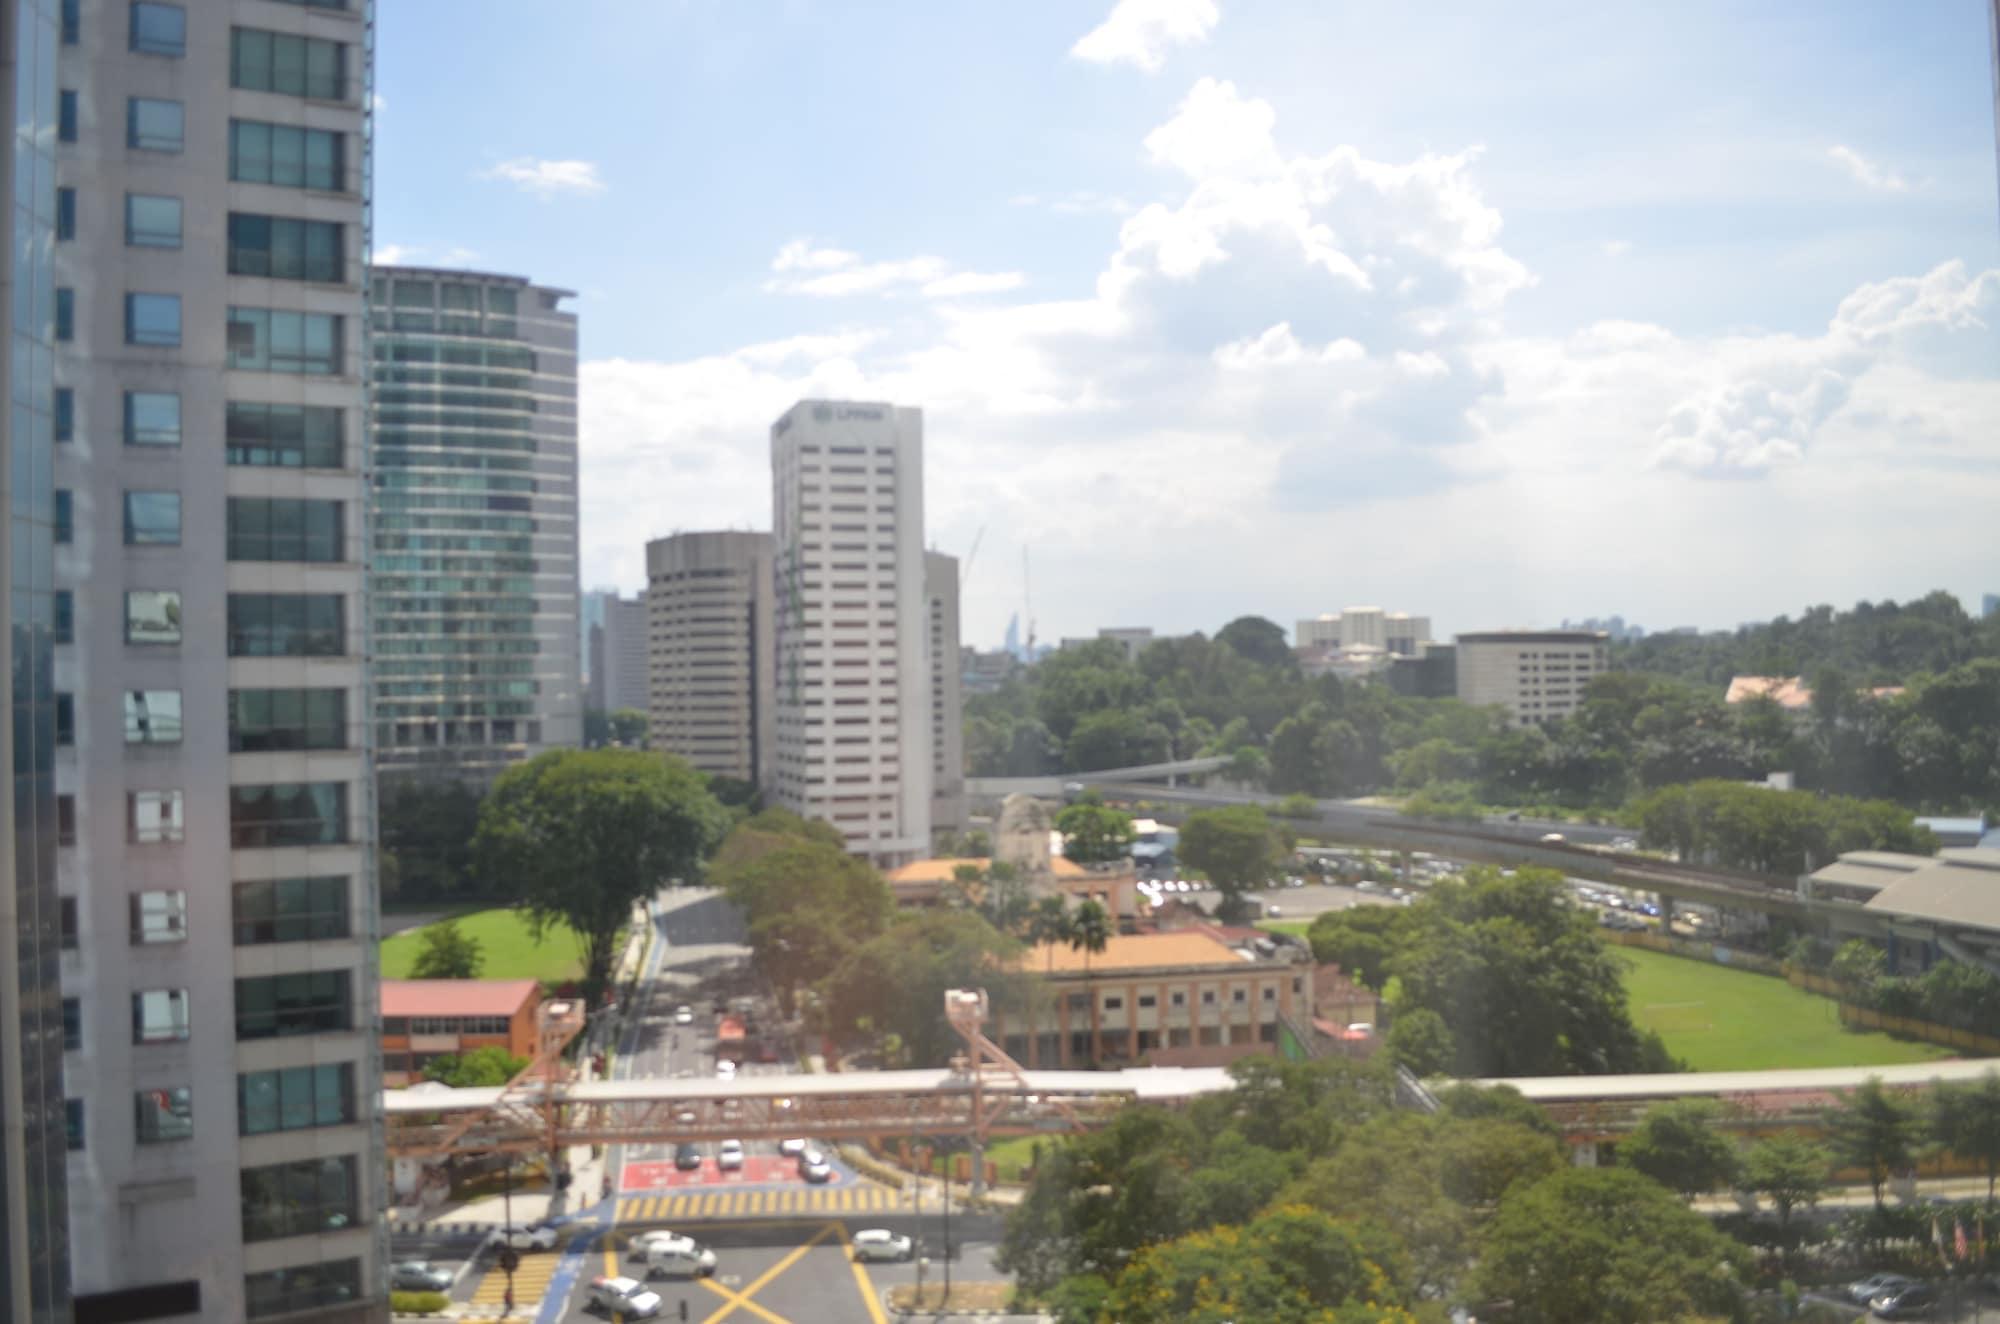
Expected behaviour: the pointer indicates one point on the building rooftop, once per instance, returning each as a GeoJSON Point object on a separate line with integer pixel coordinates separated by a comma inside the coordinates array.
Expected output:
{"type": "Point", "coordinates": [1960, 886]}
{"type": "Point", "coordinates": [1787, 692]}
{"type": "Point", "coordinates": [943, 870]}
{"type": "Point", "coordinates": [457, 997]}
{"type": "Point", "coordinates": [1869, 868]}
{"type": "Point", "coordinates": [1183, 949]}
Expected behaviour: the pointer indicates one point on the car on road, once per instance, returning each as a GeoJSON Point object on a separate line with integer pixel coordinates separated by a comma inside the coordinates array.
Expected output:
{"type": "Point", "coordinates": [725, 1069]}
{"type": "Point", "coordinates": [683, 1015]}
{"type": "Point", "coordinates": [624, 1296]}
{"type": "Point", "coordinates": [793, 1147]}
{"type": "Point", "coordinates": [1915, 1301]}
{"type": "Point", "coordinates": [420, 1276]}
{"type": "Point", "coordinates": [687, 1156]}
{"type": "Point", "coordinates": [1554, 839]}
{"type": "Point", "coordinates": [679, 1257]}
{"type": "Point", "coordinates": [529, 1236]}
{"type": "Point", "coordinates": [636, 1248]}
{"type": "Point", "coordinates": [1864, 1290]}
{"type": "Point", "coordinates": [729, 1158]}
{"type": "Point", "coordinates": [814, 1168]}
{"type": "Point", "coordinates": [879, 1243]}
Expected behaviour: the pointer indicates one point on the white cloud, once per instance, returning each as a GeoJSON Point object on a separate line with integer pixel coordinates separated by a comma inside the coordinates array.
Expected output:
{"type": "Point", "coordinates": [833, 273]}
{"type": "Point", "coordinates": [1867, 173]}
{"type": "Point", "coordinates": [546, 179]}
{"type": "Point", "coordinates": [1140, 32]}
{"type": "Point", "coordinates": [1082, 202]}
{"type": "Point", "coordinates": [1617, 247]}
{"type": "Point", "coordinates": [378, 103]}
{"type": "Point", "coordinates": [421, 255]}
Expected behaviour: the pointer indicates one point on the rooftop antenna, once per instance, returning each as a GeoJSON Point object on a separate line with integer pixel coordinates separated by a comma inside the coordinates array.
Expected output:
{"type": "Point", "coordinates": [1027, 603]}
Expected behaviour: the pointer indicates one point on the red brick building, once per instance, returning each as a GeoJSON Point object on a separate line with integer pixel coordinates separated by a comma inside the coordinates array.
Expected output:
{"type": "Point", "coordinates": [427, 1018]}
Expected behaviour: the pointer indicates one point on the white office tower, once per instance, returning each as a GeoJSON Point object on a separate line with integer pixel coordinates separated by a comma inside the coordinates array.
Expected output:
{"type": "Point", "coordinates": [947, 696]}
{"type": "Point", "coordinates": [852, 739]}
{"type": "Point", "coordinates": [708, 648]}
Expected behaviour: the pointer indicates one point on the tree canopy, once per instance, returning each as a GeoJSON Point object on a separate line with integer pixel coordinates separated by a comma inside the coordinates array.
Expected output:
{"type": "Point", "coordinates": [475, 1068]}
{"type": "Point", "coordinates": [1094, 834]}
{"type": "Point", "coordinates": [1237, 848]}
{"type": "Point", "coordinates": [446, 951]}
{"type": "Point", "coordinates": [1680, 1144]}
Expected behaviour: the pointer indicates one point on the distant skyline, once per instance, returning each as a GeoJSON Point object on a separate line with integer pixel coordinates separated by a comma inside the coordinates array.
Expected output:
{"type": "Point", "coordinates": [1506, 316]}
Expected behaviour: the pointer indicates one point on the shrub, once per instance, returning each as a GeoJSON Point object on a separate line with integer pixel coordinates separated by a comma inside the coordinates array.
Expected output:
{"type": "Point", "coordinates": [418, 1303]}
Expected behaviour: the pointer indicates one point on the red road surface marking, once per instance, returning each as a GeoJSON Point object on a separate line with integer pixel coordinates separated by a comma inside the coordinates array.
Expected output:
{"type": "Point", "coordinates": [758, 1170]}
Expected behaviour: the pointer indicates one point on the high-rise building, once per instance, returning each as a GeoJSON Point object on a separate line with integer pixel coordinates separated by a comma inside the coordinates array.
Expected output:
{"type": "Point", "coordinates": [588, 619]}
{"type": "Point", "coordinates": [618, 656]}
{"type": "Point", "coordinates": [1391, 631]}
{"type": "Point", "coordinates": [1990, 604]}
{"type": "Point", "coordinates": [475, 597]}
{"type": "Point", "coordinates": [947, 696]}
{"type": "Point", "coordinates": [214, 797]}
{"type": "Point", "coordinates": [1536, 675]}
{"type": "Point", "coordinates": [710, 657]}
{"type": "Point", "coordinates": [852, 743]}
{"type": "Point", "coordinates": [34, 1183]}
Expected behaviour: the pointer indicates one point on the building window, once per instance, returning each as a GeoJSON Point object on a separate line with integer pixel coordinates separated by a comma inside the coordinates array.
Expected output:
{"type": "Point", "coordinates": [152, 220]}
{"type": "Point", "coordinates": [295, 1098]}
{"type": "Point", "coordinates": [66, 922]}
{"type": "Point", "coordinates": [65, 313]}
{"type": "Point", "coordinates": [155, 125]}
{"type": "Point", "coordinates": [65, 214]}
{"type": "Point", "coordinates": [1114, 1004]}
{"type": "Point", "coordinates": [152, 717]}
{"type": "Point", "coordinates": [66, 820]}
{"type": "Point", "coordinates": [153, 319]}
{"type": "Point", "coordinates": [285, 436]}
{"type": "Point", "coordinates": [290, 910]}
{"type": "Point", "coordinates": [153, 817]}
{"type": "Point", "coordinates": [158, 29]}
{"type": "Point", "coordinates": [287, 625]}
{"type": "Point", "coordinates": [72, 21]}
{"type": "Point", "coordinates": [305, 1286]}
{"type": "Point", "coordinates": [72, 1012]}
{"type": "Point", "coordinates": [65, 719]}
{"type": "Point", "coordinates": [284, 529]}
{"type": "Point", "coordinates": [264, 720]}
{"type": "Point", "coordinates": [65, 619]}
{"type": "Point", "coordinates": [153, 519]}
{"type": "Point", "coordinates": [286, 155]}
{"type": "Point", "coordinates": [1239, 996]}
{"type": "Point", "coordinates": [272, 340]}
{"type": "Point", "coordinates": [159, 1015]}
{"type": "Point", "coordinates": [152, 418]}
{"type": "Point", "coordinates": [291, 65]}
{"type": "Point", "coordinates": [288, 814]}
{"type": "Point", "coordinates": [62, 517]}
{"type": "Point", "coordinates": [163, 1115]}
{"type": "Point", "coordinates": [65, 413]}
{"type": "Point", "coordinates": [286, 248]}
{"type": "Point", "coordinates": [1177, 999]}
{"type": "Point", "coordinates": [73, 1123]}
{"type": "Point", "coordinates": [1208, 997]}
{"type": "Point", "coordinates": [1148, 1001]}
{"type": "Point", "coordinates": [66, 115]}
{"type": "Point", "coordinates": [298, 1199]}
{"type": "Point", "coordinates": [152, 616]}
{"type": "Point", "coordinates": [158, 917]}
{"type": "Point", "coordinates": [273, 1006]}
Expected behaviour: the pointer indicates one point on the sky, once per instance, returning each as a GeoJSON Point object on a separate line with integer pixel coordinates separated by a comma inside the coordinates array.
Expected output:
{"type": "Point", "coordinates": [1500, 314]}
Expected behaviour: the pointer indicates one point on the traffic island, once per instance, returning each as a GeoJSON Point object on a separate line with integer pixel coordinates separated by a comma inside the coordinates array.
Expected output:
{"type": "Point", "coordinates": [966, 1299]}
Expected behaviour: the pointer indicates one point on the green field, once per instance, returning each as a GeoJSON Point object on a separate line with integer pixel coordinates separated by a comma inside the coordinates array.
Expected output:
{"type": "Point", "coordinates": [1718, 1019]}
{"type": "Point", "coordinates": [509, 949]}
{"type": "Point", "coordinates": [1296, 927]}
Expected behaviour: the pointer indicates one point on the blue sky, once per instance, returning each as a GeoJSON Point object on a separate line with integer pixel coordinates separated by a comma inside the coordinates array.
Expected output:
{"type": "Point", "coordinates": [1276, 307]}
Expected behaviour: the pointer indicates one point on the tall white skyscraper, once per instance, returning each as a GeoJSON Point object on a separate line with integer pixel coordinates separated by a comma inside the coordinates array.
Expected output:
{"type": "Point", "coordinates": [708, 648]}
{"type": "Point", "coordinates": [852, 742]}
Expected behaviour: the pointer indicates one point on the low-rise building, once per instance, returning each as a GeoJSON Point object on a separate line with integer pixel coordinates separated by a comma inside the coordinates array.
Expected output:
{"type": "Point", "coordinates": [1921, 908]}
{"type": "Point", "coordinates": [1536, 675]}
{"type": "Point", "coordinates": [1395, 632]}
{"type": "Point", "coordinates": [936, 882]}
{"type": "Point", "coordinates": [1201, 996]}
{"type": "Point", "coordinates": [424, 1019]}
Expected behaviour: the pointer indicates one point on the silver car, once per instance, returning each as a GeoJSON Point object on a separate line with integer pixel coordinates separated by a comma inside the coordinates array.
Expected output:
{"type": "Point", "coordinates": [420, 1276]}
{"type": "Point", "coordinates": [879, 1243]}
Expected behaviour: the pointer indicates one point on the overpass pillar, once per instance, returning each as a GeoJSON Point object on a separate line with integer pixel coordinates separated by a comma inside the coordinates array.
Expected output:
{"type": "Point", "coordinates": [1666, 914]}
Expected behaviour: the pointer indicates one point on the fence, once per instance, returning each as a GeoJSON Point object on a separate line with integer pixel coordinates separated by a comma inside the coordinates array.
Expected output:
{"type": "Point", "coordinates": [1985, 1045]}
{"type": "Point", "coordinates": [1696, 950]}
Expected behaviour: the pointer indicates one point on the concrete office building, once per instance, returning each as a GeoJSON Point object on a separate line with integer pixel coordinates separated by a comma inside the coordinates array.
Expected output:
{"type": "Point", "coordinates": [709, 651]}
{"type": "Point", "coordinates": [1364, 627]}
{"type": "Point", "coordinates": [618, 662]}
{"type": "Point", "coordinates": [852, 743]}
{"type": "Point", "coordinates": [947, 697]}
{"type": "Point", "coordinates": [34, 1183]}
{"type": "Point", "coordinates": [1535, 675]}
{"type": "Point", "coordinates": [475, 595]}
{"type": "Point", "coordinates": [213, 763]}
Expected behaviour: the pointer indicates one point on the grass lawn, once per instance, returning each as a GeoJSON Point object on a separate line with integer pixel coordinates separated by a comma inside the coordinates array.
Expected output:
{"type": "Point", "coordinates": [510, 951]}
{"type": "Point", "coordinates": [1718, 1019]}
{"type": "Point", "coordinates": [1296, 927]}
{"type": "Point", "coordinates": [1010, 1154]}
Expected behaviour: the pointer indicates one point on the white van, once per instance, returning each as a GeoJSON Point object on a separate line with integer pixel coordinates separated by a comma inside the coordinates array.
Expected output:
{"type": "Point", "coordinates": [678, 1257]}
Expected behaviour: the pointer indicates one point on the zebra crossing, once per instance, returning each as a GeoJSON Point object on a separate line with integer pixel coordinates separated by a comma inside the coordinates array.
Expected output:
{"type": "Point", "coordinates": [780, 1202]}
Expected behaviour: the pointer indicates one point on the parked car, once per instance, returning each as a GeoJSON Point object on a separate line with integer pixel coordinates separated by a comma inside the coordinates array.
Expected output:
{"type": "Point", "coordinates": [638, 1246]}
{"type": "Point", "coordinates": [1916, 1301]}
{"type": "Point", "coordinates": [793, 1147]}
{"type": "Point", "coordinates": [529, 1236]}
{"type": "Point", "coordinates": [729, 1158]}
{"type": "Point", "coordinates": [725, 1069]}
{"type": "Point", "coordinates": [879, 1243]}
{"type": "Point", "coordinates": [625, 1296]}
{"type": "Point", "coordinates": [687, 1156]}
{"type": "Point", "coordinates": [684, 1015]}
{"type": "Point", "coordinates": [1864, 1290]}
{"type": "Point", "coordinates": [679, 1257]}
{"type": "Point", "coordinates": [419, 1276]}
{"type": "Point", "coordinates": [815, 1169]}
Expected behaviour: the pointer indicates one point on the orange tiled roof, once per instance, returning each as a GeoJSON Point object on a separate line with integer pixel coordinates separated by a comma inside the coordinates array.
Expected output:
{"type": "Point", "coordinates": [457, 997]}
{"type": "Point", "coordinates": [1136, 951]}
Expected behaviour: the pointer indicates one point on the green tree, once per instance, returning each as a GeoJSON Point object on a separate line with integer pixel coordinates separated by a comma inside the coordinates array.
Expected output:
{"type": "Point", "coordinates": [1680, 1144]}
{"type": "Point", "coordinates": [446, 951]}
{"type": "Point", "coordinates": [1872, 1129]}
{"type": "Point", "coordinates": [1093, 834]}
{"type": "Point", "coordinates": [1788, 1171]}
{"type": "Point", "coordinates": [1494, 1102]}
{"type": "Point", "coordinates": [1858, 964]}
{"type": "Point", "coordinates": [1090, 933]}
{"type": "Point", "coordinates": [1607, 1246]}
{"type": "Point", "coordinates": [427, 826]}
{"type": "Point", "coordinates": [1391, 1170]}
{"type": "Point", "coordinates": [1360, 940]}
{"type": "Point", "coordinates": [582, 835]}
{"type": "Point", "coordinates": [895, 983]}
{"type": "Point", "coordinates": [1258, 640]}
{"type": "Point", "coordinates": [476, 1068]}
{"type": "Point", "coordinates": [1966, 1119]}
{"type": "Point", "coordinates": [1235, 847]}
{"type": "Point", "coordinates": [1421, 1042]}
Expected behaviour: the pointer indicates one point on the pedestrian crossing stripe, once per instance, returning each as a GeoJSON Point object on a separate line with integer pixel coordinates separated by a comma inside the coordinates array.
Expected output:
{"type": "Point", "coordinates": [531, 1279]}
{"type": "Point", "coordinates": [699, 1205]}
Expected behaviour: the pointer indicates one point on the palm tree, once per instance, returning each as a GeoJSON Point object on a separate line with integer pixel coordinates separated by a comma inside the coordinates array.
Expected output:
{"type": "Point", "coordinates": [1045, 925]}
{"type": "Point", "coordinates": [1090, 931]}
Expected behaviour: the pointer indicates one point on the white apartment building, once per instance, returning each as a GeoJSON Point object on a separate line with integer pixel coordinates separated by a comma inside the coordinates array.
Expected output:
{"type": "Point", "coordinates": [852, 738]}
{"type": "Point", "coordinates": [215, 860]}
{"type": "Point", "coordinates": [1392, 631]}
{"type": "Point", "coordinates": [709, 651]}
{"type": "Point", "coordinates": [1535, 675]}
{"type": "Point", "coordinates": [947, 696]}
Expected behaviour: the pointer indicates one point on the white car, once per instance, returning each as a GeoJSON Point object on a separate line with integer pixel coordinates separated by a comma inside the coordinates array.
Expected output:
{"type": "Point", "coordinates": [625, 1296]}
{"type": "Point", "coordinates": [792, 1148]}
{"type": "Point", "coordinates": [680, 1257]}
{"type": "Point", "coordinates": [530, 1236]}
{"type": "Point", "coordinates": [730, 1157]}
{"type": "Point", "coordinates": [638, 1247]}
{"type": "Point", "coordinates": [879, 1243]}
{"type": "Point", "coordinates": [725, 1069]}
{"type": "Point", "coordinates": [683, 1015]}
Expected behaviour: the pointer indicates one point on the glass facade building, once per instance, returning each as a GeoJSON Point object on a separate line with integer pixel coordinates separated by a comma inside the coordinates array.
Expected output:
{"type": "Point", "coordinates": [475, 600]}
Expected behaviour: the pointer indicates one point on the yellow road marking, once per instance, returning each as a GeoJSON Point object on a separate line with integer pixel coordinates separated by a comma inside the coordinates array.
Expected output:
{"type": "Point", "coordinates": [763, 1280]}
{"type": "Point", "coordinates": [869, 1296]}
